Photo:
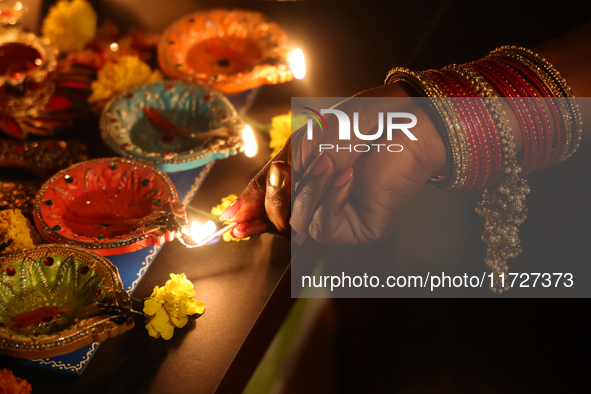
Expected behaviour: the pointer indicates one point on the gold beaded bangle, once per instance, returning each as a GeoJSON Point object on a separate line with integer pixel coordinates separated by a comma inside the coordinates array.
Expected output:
{"type": "Point", "coordinates": [503, 202]}
{"type": "Point", "coordinates": [557, 85]}
{"type": "Point", "coordinates": [452, 133]}
{"type": "Point", "coordinates": [556, 92]}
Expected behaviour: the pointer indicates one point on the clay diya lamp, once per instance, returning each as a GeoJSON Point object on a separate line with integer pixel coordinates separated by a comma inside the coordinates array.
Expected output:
{"type": "Point", "coordinates": [174, 125]}
{"type": "Point", "coordinates": [229, 50]}
{"type": "Point", "coordinates": [56, 299]}
{"type": "Point", "coordinates": [39, 158]}
{"type": "Point", "coordinates": [27, 65]}
{"type": "Point", "coordinates": [111, 206]}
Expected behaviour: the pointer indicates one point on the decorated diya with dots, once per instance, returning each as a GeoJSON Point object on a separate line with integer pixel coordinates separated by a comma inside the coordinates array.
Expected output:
{"type": "Point", "coordinates": [27, 64]}
{"type": "Point", "coordinates": [111, 206]}
{"type": "Point", "coordinates": [174, 125]}
{"type": "Point", "coordinates": [55, 299]}
{"type": "Point", "coordinates": [230, 50]}
{"type": "Point", "coordinates": [40, 158]}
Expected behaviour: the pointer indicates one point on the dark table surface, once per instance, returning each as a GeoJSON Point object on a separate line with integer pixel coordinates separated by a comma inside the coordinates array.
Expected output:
{"type": "Point", "coordinates": [234, 279]}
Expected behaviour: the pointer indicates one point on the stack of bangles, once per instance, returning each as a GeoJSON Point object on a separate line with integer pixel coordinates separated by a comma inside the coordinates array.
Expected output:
{"type": "Point", "coordinates": [481, 151]}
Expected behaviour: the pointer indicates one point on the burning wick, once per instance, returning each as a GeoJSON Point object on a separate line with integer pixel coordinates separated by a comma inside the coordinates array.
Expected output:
{"type": "Point", "coordinates": [250, 143]}
{"type": "Point", "coordinates": [297, 63]}
{"type": "Point", "coordinates": [200, 232]}
{"type": "Point", "coordinates": [219, 233]}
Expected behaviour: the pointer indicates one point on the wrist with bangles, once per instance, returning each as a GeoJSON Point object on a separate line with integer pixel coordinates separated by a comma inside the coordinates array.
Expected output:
{"type": "Point", "coordinates": [472, 104]}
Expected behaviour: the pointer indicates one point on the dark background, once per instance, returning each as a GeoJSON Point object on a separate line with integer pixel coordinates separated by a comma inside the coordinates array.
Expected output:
{"type": "Point", "coordinates": [438, 345]}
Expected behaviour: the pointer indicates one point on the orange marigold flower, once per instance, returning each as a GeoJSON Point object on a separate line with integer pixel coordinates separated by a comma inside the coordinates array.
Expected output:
{"type": "Point", "coordinates": [10, 384]}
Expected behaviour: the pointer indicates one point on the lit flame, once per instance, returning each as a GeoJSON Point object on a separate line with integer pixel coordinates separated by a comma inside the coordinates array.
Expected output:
{"type": "Point", "coordinates": [114, 47]}
{"type": "Point", "coordinates": [297, 63]}
{"type": "Point", "coordinates": [200, 232]}
{"type": "Point", "coordinates": [250, 143]}
{"type": "Point", "coordinates": [18, 6]}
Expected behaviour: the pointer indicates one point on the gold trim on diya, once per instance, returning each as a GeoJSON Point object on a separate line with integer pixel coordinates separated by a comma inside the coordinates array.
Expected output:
{"type": "Point", "coordinates": [42, 159]}
{"type": "Point", "coordinates": [230, 50]}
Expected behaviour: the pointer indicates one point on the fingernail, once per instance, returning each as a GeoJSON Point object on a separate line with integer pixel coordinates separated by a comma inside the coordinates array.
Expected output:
{"type": "Point", "coordinates": [343, 178]}
{"type": "Point", "coordinates": [241, 228]}
{"type": "Point", "coordinates": [319, 165]}
{"type": "Point", "coordinates": [231, 211]}
{"type": "Point", "coordinates": [276, 176]}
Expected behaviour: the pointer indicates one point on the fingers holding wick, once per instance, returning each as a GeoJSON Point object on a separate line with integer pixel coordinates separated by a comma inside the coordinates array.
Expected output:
{"type": "Point", "coordinates": [319, 191]}
{"type": "Point", "coordinates": [278, 196]}
{"type": "Point", "coordinates": [277, 205]}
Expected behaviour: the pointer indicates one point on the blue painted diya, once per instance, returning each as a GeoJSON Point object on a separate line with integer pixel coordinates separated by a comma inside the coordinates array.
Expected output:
{"type": "Point", "coordinates": [174, 125]}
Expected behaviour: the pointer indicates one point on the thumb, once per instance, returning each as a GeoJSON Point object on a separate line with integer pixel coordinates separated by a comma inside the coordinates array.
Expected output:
{"type": "Point", "coordinates": [251, 204]}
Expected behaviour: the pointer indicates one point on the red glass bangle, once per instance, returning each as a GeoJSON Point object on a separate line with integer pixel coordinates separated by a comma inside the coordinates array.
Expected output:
{"type": "Point", "coordinates": [473, 159]}
{"type": "Point", "coordinates": [542, 130]}
{"type": "Point", "coordinates": [559, 120]}
{"type": "Point", "coordinates": [485, 124]}
{"type": "Point", "coordinates": [533, 130]}
{"type": "Point", "coordinates": [504, 90]}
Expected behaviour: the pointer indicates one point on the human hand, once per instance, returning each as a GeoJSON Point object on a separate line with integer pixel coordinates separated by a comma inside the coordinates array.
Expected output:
{"type": "Point", "coordinates": [340, 197]}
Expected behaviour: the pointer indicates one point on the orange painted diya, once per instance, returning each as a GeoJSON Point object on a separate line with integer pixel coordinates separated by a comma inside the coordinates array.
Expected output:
{"type": "Point", "coordinates": [111, 206]}
{"type": "Point", "coordinates": [229, 50]}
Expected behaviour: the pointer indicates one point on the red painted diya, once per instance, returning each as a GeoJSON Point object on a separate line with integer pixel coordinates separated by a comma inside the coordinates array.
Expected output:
{"type": "Point", "coordinates": [111, 206]}
{"type": "Point", "coordinates": [27, 63]}
{"type": "Point", "coordinates": [228, 50]}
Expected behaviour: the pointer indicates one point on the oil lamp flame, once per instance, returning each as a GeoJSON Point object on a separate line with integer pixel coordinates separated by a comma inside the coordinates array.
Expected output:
{"type": "Point", "coordinates": [250, 143]}
{"type": "Point", "coordinates": [297, 63]}
{"type": "Point", "coordinates": [200, 232]}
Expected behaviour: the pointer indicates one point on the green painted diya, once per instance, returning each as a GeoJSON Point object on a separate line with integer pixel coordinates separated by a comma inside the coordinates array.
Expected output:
{"type": "Point", "coordinates": [56, 299]}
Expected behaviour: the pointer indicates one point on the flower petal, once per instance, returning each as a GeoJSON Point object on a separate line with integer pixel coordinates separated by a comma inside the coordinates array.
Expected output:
{"type": "Point", "coordinates": [179, 321]}
{"type": "Point", "coordinates": [194, 306]}
{"type": "Point", "coordinates": [168, 331]}
{"type": "Point", "coordinates": [151, 331]}
{"type": "Point", "coordinates": [151, 307]}
{"type": "Point", "coordinates": [160, 320]}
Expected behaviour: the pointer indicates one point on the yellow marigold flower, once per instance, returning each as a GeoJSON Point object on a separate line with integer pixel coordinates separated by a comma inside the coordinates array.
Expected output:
{"type": "Point", "coordinates": [12, 384]}
{"type": "Point", "coordinates": [169, 306]}
{"type": "Point", "coordinates": [16, 233]}
{"type": "Point", "coordinates": [116, 77]}
{"type": "Point", "coordinates": [226, 201]}
{"type": "Point", "coordinates": [281, 130]}
{"type": "Point", "coordinates": [219, 209]}
{"type": "Point", "coordinates": [70, 25]}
